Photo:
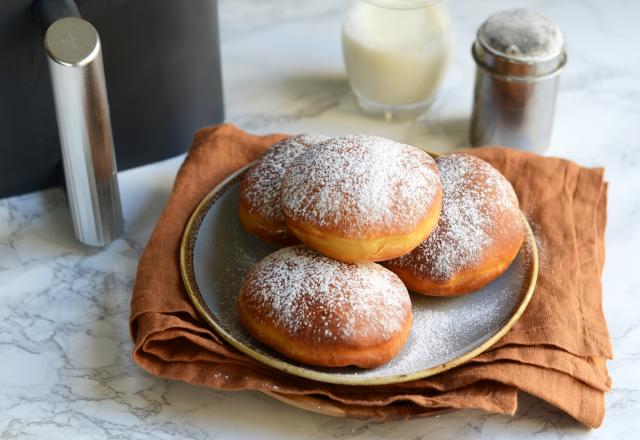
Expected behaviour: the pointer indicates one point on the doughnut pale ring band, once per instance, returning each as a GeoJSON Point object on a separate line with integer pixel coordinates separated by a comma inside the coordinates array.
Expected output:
{"type": "Point", "coordinates": [361, 198]}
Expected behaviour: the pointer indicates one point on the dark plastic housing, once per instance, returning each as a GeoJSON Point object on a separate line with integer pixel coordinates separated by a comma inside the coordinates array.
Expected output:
{"type": "Point", "coordinates": [162, 66]}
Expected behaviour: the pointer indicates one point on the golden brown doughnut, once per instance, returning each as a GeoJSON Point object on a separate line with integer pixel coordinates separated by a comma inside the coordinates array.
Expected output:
{"type": "Point", "coordinates": [259, 205]}
{"type": "Point", "coordinates": [319, 311]}
{"type": "Point", "coordinates": [479, 233]}
{"type": "Point", "coordinates": [361, 198]}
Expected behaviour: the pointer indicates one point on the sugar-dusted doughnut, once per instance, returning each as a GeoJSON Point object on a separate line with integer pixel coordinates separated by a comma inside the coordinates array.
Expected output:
{"type": "Point", "coordinates": [320, 311]}
{"type": "Point", "coordinates": [259, 205]}
{"type": "Point", "coordinates": [479, 233]}
{"type": "Point", "coordinates": [361, 198]}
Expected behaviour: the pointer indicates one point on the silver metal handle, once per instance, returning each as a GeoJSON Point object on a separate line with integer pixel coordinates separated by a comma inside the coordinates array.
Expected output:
{"type": "Point", "coordinates": [82, 110]}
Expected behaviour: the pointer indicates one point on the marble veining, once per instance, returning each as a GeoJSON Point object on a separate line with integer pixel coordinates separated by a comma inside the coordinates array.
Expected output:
{"type": "Point", "coordinates": [65, 364]}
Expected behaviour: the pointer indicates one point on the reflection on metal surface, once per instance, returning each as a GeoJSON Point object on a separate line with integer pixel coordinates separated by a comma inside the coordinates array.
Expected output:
{"type": "Point", "coordinates": [82, 110]}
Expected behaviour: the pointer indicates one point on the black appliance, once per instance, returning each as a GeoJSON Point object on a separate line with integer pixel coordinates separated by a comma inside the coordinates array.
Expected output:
{"type": "Point", "coordinates": [163, 78]}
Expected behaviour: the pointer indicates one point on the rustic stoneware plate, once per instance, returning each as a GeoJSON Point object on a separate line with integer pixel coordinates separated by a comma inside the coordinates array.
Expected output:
{"type": "Point", "coordinates": [216, 253]}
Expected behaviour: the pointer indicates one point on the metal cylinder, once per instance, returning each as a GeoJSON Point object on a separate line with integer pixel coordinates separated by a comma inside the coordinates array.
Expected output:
{"type": "Point", "coordinates": [82, 110]}
{"type": "Point", "coordinates": [519, 55]}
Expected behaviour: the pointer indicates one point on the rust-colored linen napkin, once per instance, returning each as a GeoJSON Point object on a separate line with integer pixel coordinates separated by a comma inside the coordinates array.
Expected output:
{"type": "Point", "coordinates": [556, 351]}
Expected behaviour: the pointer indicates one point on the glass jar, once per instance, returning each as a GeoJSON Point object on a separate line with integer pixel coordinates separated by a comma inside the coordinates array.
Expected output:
{"type": "Point", "coordinates": [396, 53]}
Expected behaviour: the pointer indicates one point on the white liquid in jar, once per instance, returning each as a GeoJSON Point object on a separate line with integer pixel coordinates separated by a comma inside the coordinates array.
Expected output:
{"type": "Point", "coordinates": [396, 56]}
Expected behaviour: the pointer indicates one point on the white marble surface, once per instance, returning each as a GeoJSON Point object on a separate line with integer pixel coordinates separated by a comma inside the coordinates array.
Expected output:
{"type": "Point", "coordinates": [65, 364]}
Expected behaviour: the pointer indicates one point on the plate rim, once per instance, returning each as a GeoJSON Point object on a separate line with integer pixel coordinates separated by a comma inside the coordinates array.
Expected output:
{"type": "Point", "coordinates": [187, 245]}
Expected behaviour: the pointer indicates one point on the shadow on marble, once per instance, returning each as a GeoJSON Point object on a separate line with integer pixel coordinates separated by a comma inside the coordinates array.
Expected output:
{"type": "Point", "coordinates": [307, 95]}
{"type": "Point", "coordinates": [532, 416]}
{"type": "Point", "coordinates": [58, 228]}
{"type": "Point", "coordinates": [534, 412]}
{"type": "Point", "coordinates": [439, 134]}
{"type": "Point", "coordinates": [40, 226]}
{"type": "Point", "coordinates": [147, 209]}
{"type": "Point", "coordinates": [227, 411]}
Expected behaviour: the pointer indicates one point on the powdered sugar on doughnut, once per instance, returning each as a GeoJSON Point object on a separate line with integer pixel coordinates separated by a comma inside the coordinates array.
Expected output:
{"type": "Point", "coordinates": [474, 194]}
{"type": "Point", "coordinates": [298, 288]}
{"type": "Point", "coordinates": [261, 191]}
{"type": "Point", "coordinates": [360, 185]}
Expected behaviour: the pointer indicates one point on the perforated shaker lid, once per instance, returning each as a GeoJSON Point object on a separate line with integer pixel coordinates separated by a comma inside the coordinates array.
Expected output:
{"type": "Point", "coordinates": [520, 36]}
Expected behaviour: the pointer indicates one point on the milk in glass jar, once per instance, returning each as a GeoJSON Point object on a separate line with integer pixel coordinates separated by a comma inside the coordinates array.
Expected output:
{"type": "Point", "coordinates": [396, 53]}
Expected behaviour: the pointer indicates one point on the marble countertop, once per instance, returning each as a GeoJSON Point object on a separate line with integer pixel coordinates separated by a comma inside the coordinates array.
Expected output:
{"type": "Point", "coordinates": [65, 352]}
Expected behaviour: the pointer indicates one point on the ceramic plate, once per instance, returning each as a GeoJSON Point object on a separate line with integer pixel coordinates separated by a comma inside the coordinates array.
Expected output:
{"type": "Point", "coordinates": [216, 253]}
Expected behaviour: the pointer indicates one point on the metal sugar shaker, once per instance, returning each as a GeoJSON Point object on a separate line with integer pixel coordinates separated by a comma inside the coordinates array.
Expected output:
{"type": "Point", "coordinates": [519, 54]}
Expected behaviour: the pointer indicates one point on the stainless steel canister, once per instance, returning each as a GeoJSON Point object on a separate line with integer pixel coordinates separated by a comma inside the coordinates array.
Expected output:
{"type": "Point", "coordinates": [519, 54]}
{"type": "Point", "coordinates": [82, 110]}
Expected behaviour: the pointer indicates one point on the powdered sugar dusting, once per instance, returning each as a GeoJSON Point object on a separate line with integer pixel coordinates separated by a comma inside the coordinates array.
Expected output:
{"type": "Point", "coordinates": [360, 184]}
{"type": "Point", "coordinates": [439, 324]}
{"type": "Point", "coordinates": [261, 186]}
{"type": "Point", "coordinates": [522, 33]}
{"type": "Point", "coordinates": [299, 289]}
{"type": "Point", "coordinates": [474, 194]}
{"type": "Point", "coordinates": [443, 328]}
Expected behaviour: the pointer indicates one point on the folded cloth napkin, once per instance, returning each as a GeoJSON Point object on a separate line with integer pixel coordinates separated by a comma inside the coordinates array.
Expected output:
{"type": "Point", "coordinates": [556, 351]}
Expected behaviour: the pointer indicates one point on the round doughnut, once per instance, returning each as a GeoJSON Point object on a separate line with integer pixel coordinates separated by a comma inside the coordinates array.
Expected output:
{"type": "Point", "coordinates": [361, 198]}
{"type": "Point", "coordinates": [479, 233]}
{"type": "Point", "coordinates": [320, 311]}
{"type": "Point", "coordinates": [259, 205]}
